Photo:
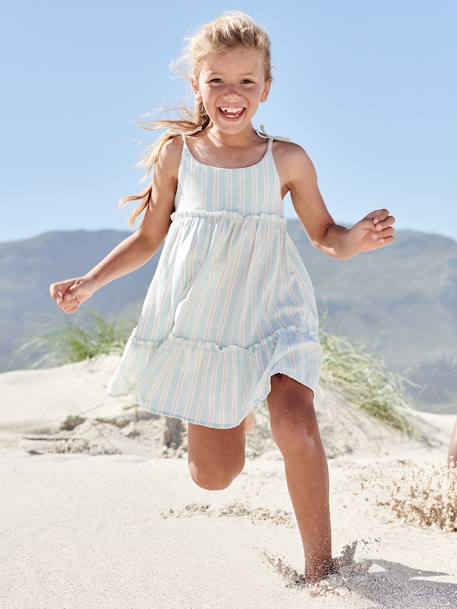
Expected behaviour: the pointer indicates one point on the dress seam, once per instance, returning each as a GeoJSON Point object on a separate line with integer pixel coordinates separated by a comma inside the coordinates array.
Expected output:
{"type": "Point", "coordinates": [227, 213]}
{"type": "Point", "coordinates": [233, 347]}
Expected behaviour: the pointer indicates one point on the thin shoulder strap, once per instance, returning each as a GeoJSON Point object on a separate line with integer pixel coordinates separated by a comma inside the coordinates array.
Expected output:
{"type": "Point", "coordinates": [261, 131]}
{"type": "Point", "coordinates": [184, 133]}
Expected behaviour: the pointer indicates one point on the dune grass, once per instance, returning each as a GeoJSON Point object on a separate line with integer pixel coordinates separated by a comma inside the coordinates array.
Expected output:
{"type": "Point", "coordinates": [74, 341]}
{"type": "Point", "coordinates": [366, 382]}
{"type": "Point", "coordinates": [362, 378]}
{"type": "Point", "coordinates": [422, 495]}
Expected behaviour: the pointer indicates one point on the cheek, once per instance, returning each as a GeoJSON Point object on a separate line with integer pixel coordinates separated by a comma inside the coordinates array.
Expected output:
{"type": "Point", "coordinates": [208, 97]}
{"type": "Point", "coordinates": [254, 96]}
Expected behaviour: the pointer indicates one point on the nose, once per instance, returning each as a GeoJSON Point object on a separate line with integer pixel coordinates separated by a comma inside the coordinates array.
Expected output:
{"type": "Point", "coordinates": [232, 90]}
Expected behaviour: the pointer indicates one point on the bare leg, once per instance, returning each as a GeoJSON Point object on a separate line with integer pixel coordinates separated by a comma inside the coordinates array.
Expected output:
{"type": "Point", "coordinates": [296, 432]}
{"type": "Point", "coordinates": [215, 456]}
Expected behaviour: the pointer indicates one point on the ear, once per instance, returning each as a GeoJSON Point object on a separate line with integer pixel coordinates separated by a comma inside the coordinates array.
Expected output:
{"type": "Point", "coordinates": [266, 91]}
{"type": "Point", "coordinates": [196, 90]}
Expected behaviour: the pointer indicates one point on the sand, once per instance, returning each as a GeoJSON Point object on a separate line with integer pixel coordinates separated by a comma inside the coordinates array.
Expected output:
{"type": "Point", "coordinates": [98, 509]}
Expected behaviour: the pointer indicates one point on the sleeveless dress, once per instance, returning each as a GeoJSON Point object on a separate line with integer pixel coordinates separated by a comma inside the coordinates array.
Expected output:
{"type": "Point", "coordinates": [230, 304]}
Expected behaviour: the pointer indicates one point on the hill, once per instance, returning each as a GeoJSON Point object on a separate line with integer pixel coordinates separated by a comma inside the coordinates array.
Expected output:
{"type": "Point", "coordinates": [401, 302]}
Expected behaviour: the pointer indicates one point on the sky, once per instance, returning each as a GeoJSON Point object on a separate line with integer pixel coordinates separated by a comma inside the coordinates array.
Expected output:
{"type": "Point", "coordinates": [367, 89]}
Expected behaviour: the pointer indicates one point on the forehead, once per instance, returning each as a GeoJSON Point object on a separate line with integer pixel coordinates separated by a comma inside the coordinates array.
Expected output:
{"type": "Point", "coordinates": [233, 61]}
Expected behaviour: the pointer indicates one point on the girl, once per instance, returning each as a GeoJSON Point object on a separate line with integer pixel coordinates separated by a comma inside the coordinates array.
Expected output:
{"type": "Point", "coordinates": [230, 318]}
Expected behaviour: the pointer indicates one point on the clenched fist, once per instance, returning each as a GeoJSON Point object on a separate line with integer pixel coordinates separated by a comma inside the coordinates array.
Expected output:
{"type": "Point", "coordinates": [71, 293]}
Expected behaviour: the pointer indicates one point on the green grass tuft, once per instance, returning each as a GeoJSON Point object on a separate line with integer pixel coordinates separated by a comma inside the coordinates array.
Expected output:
{"type": "Point", "coordinates": [72, 342]}
{"type": "Point", "coordinates": [347, 367]}
{"type": "Point", "coordinates": [365, 381]}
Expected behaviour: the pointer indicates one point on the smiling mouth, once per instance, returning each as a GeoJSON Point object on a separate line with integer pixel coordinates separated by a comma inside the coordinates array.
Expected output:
{"type": "Point", "coordinates": [231, 113]}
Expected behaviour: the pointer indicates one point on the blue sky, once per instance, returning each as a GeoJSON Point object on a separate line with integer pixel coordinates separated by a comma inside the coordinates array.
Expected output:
{"type": "Point", "coordinates": [368, 89]}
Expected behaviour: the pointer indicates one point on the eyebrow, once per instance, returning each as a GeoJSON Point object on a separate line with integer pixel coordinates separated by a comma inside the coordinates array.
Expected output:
{"type": "Point", "coordinates": [211, 73]}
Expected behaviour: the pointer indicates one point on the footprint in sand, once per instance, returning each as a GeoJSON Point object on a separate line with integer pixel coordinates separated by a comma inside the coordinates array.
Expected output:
{"type": "Point", "coordinates": [344, 567]}
{"type": "Point", "coordinates": [237, 510]}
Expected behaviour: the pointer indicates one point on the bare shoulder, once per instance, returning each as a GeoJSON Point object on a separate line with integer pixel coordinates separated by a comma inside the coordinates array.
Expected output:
{"type": "Point", "coordinates": [156, 221]}
{"type": "Point", "coordinates": [302, 183]}
{"type": "Point", "coordinates": [293, 162]}
{"type": "Point", "coordinates": [170, 156]}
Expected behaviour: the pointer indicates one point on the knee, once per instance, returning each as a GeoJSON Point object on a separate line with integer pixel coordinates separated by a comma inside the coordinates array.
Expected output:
{"type": "Point", "coordinates": [295, 427]}
{"type": "Point", "coordinates": [212, 478]}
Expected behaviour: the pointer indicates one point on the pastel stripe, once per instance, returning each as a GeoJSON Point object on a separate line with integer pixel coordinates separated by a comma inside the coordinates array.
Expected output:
{"type": "Point", "coordinates": [231, 302]}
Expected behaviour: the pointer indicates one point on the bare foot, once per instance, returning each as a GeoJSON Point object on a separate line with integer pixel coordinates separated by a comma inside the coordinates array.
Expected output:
{"type": "Point", "coordinates": [319, 570]}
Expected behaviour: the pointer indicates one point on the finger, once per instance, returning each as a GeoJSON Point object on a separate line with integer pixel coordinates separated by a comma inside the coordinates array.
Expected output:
{"type": "Point", "coordinates": [384, 241]}
{"type": "Point", "coordinates": [387, 232]}
{"type": "Point", "coordinates": [71, 311]}
{"type": "Point", "coordinates": [380, 215]}
{"type": "Point", "coordinates": [59, 289]}
{"type": "Point", "coordinates": [385, 223]}
{"type": "Point", "coordinates": [70, 308]}
{"type": "Point", "coordinates": [67, 303]}
{"type": "Point", "coordinates": [55, 290]}
{"type": "Point", "coordinates": [368, 222]}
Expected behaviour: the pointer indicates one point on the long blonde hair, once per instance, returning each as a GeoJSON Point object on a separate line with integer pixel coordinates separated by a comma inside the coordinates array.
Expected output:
{"type": "Point", "coordinates": [231, 30]}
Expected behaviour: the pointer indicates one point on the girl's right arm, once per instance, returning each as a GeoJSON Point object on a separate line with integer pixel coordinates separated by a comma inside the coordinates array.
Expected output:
{"type": "Point", "coordinates": [139, 247]}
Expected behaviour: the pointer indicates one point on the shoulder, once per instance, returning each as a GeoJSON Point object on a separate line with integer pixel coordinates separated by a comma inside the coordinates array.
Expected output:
{"type": "Point", "coordinates": [169, 156]}
{"type": "Point", "coordinates": [291, 152]}
{"type": "Point", "coordinates": [171, 149]}
{"type": "Point", "coordinates": [294, 160]}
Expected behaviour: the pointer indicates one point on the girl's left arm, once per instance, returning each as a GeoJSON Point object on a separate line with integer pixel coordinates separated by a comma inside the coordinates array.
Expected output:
{"type": "Point", "coordinates": [372, 232]}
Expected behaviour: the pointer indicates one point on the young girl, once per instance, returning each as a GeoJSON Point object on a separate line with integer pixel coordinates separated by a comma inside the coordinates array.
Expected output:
{"type": "Point", "coordinates": [230, 318]}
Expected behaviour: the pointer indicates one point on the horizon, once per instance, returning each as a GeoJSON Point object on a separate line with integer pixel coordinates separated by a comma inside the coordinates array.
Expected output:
{"type": "Point", "coordinates": [374, 107]}
{"type": "Point", "coordinates": [94, 230]}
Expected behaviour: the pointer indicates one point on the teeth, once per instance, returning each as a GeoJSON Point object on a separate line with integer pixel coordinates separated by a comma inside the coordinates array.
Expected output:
{"type": "Point", "coordinates": [232, 110]}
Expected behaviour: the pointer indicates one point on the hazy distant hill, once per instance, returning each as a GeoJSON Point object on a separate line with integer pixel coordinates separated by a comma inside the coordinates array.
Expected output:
{"type": "Point", "coordinates": [400, 301]}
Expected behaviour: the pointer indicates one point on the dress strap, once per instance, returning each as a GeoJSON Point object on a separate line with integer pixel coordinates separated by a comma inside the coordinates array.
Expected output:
{"type": "Point", "coordinates": [262, 133]}
{"type": "Point", "coordinates": [184, 133]}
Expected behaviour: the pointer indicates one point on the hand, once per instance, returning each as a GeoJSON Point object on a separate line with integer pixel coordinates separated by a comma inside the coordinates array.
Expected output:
{"type": "Point", "coordinates": [71, 293]}
{"type": "Point", "coordinates": [372, 232]}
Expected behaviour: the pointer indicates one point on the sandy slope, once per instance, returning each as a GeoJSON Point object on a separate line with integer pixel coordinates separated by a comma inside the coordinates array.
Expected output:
{"type": "Point", "coordinates": [113, 525]}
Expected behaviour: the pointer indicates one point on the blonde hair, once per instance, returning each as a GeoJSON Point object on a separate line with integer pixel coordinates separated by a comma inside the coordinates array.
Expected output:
{"type": "Point", "coordinates": [231, 30]}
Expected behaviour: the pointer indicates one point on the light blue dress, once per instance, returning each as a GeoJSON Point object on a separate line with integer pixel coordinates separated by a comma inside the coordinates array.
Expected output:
{"type": "Point", "coordinates": [230, 304]}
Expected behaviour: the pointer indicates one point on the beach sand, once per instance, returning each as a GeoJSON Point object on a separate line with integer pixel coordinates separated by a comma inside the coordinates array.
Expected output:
{"type": "Point", "coordinates": [98, 509]}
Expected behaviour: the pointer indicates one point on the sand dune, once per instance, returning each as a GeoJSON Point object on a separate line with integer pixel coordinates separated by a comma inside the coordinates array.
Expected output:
{"type": "Point", "coordinates": [99, 510]}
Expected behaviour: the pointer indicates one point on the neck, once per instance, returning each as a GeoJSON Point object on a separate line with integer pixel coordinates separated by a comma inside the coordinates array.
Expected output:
{"type": "Point", "coordinates": [234, 140]}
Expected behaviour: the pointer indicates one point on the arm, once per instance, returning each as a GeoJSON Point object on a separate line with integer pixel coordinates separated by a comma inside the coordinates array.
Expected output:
{"type": "Point", "coordinates": [323, 232]}
{"type": "Point", "coordinates": [139, 247]}
{"type": "Point", "coordinates": [373, 232]}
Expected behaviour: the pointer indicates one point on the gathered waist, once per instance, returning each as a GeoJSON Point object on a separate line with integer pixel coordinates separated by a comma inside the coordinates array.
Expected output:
{"type": "Point", "coordinates": [228, 213]}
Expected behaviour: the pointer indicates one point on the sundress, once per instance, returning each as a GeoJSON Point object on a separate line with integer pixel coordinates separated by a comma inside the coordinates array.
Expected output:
{"type": "Point", "coordinates": [230, 304]}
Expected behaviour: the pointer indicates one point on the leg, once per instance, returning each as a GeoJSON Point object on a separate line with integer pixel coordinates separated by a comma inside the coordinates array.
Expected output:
{"type": "Point", "coordinates": [295, 430]}
{"type": "Point", "coordinates": [215, 456]}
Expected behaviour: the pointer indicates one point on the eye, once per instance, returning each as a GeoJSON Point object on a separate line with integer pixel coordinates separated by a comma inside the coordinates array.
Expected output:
{"type": "Point", "coordinates": [245, 81]}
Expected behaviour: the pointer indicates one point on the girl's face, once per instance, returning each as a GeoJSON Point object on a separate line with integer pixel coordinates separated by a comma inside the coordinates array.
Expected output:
{"type": "Point", "coordinates": [231, 85]}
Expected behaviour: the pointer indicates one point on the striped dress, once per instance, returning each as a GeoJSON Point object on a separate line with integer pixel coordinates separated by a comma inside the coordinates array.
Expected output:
{"type": "Point", "coordinates": [230, 304]}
